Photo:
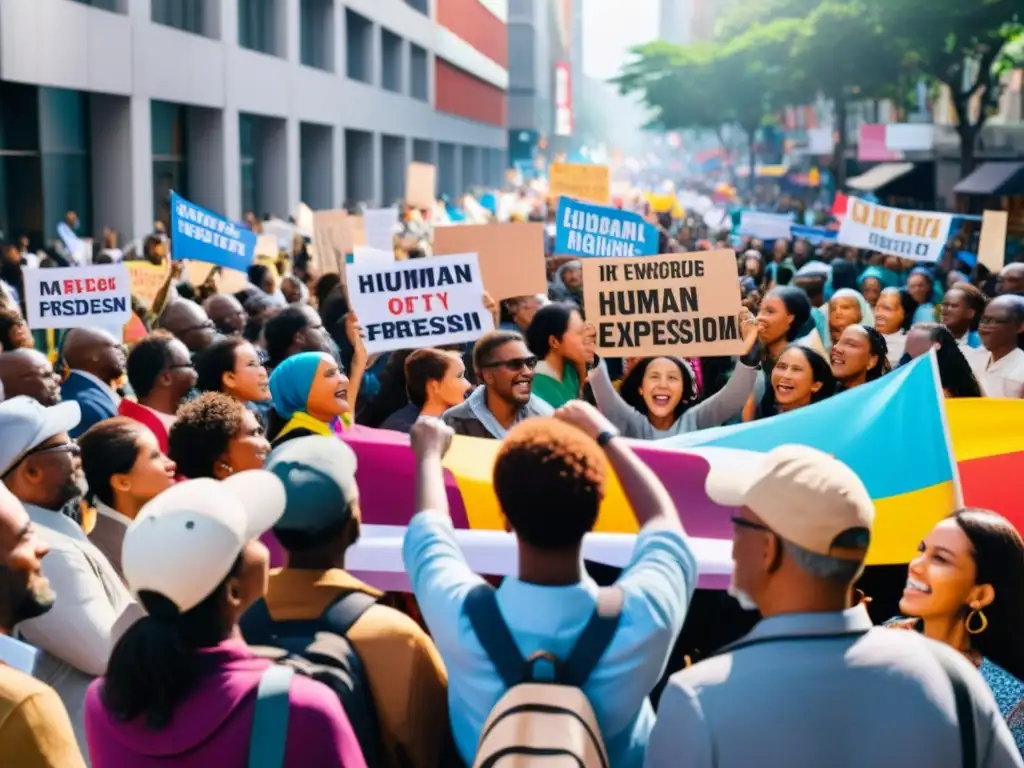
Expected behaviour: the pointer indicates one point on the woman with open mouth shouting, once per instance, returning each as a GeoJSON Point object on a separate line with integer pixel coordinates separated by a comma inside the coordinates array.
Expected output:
{"type": "Point", "coordinates": [859, 356]}
{"type": "Point", "coordinates": [964, 589]}
{"type": "Point", "coordinates": [801, 377]}
{"type": "Point", "coordinates": [658, 396]}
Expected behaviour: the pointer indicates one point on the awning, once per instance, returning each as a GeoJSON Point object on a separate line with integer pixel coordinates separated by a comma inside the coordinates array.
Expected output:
{"type": "Point", "coordinates": [879, 176]}
{"type": "Point", "coordinates": [999, 179]}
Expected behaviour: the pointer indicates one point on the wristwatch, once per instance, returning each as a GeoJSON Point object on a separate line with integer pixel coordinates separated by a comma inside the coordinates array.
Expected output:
{"type": "Point", "coordinates": [606, 436]}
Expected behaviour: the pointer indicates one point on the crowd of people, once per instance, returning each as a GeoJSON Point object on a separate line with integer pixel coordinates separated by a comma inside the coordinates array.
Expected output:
{"type": "Point", "coordinates": [175, 518]}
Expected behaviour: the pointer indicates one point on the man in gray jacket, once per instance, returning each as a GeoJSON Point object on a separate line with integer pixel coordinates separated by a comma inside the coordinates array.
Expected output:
{"type": "Point", "coordinates": [814, 684]}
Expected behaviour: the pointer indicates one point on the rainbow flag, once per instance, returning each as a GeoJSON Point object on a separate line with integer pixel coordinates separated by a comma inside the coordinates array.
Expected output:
{"type": "Point", "coordinates": [988, 445]}
{"type": "Point", "coordinates": [893, 433]}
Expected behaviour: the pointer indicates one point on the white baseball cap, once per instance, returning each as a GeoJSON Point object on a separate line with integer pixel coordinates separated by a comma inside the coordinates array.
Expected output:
{"type": "Point", "coordinates": [185, 541]}
{"type": "Point", "coordinates": [26, 424]}
{"type": "Point", "coordinates": [805, 496]}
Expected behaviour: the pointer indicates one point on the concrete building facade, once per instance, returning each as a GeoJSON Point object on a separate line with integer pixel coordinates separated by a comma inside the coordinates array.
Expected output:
{"type": "Point", "coordinates": [241, 105]}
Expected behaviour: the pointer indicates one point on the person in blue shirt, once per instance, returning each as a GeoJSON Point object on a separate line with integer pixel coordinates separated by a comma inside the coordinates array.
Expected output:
{"type": "Point", "coordinates": [549, 479]}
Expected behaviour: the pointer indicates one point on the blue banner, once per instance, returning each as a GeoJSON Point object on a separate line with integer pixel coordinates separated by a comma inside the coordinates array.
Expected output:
{"type": "Point", "coordinates": [813, 235]}
{"type": "Point", "coordinates": [587, 230]}
{"type": "Point", "coordinates": [198, 235]}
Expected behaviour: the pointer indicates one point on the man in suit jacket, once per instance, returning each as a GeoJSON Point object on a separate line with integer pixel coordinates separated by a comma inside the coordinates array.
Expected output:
{"type": "Point", "coordinates": [97, 362]}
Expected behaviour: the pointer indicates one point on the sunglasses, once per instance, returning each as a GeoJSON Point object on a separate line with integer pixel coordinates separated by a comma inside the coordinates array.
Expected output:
{"type": "Point", "coordinates": [70, 447]}
{"type": "Point", "coordinates": [515, 365]}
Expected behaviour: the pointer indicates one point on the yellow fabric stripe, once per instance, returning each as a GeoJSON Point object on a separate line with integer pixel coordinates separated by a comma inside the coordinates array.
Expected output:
{"type": "Point", "coordinates": [982, 427]}
{"type": "Point", "coordinates": [302, 420]}
{"type": "Point", "coordinates": [901, 522]}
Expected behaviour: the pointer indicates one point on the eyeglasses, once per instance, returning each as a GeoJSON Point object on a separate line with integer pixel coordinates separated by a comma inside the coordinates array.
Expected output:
{"type": "Point", "coordinates": [70, 447]}
{"type": "Point", "coordinates": [515, 365]}
{"type": "Point", "coordinates": [741, 522]}
{"type": "Point", "coordinates": [989, 320]}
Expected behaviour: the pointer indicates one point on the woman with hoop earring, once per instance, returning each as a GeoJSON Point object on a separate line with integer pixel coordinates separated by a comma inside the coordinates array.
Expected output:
{"type": "Point", "coordinates": [964, 589]}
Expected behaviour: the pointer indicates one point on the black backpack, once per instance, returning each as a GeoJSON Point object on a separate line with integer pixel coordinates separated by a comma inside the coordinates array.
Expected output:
{"type": "Point", "coordinates": [318, 648]}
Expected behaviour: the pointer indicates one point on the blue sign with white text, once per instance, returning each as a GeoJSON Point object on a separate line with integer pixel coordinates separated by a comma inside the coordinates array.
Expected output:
{"type": "Point", "coordinates": [814, 235]}
{"type": "Point", "coordinates": [587, 230]}
{"type": "Point", "coordinates": [198, 235]}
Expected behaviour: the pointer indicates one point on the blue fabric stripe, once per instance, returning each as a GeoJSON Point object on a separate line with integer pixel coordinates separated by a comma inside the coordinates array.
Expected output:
{"type": "Point", "coordinates": [890, 432]}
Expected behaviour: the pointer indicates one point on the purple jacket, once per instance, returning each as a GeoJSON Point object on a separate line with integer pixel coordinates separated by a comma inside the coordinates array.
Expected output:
{"type": "Point", "coordinates": [211, 727]}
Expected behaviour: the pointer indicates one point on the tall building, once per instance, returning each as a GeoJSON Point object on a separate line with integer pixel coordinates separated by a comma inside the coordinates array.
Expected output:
{"type": "Point", "coordinates": [674, 21]}
{"type": "Point", "coordinates": [241, 105]}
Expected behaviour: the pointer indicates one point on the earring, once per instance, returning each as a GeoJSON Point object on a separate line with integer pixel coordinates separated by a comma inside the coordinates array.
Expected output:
{"type": "Point", "coordinates": [227, 468]}
{"type": "Point", "coordinates": [970, 617]}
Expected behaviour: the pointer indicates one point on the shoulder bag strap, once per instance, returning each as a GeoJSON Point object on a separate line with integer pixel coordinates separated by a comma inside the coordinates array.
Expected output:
{"type": "Point", "coordinates": [596, 636]}
{"type": "Point", "coordinates": [270, 720]}
{"type": "Point", "coordinates": [481, 607]}
{"type": "Point", "coordinates": [964, 710]}
{"type": "Point", "coordinates": [346, 610]}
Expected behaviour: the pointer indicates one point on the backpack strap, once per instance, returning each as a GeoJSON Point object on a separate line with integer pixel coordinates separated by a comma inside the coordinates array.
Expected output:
{"type": "Point", "coordinates": [346, 611]}
{"type": "Point", "coordinates": [964, 710]}
{"type": "Point", "coordinates": [269, 734]}
{"type": "Point", "coordinates": [481, 607]}
{"type": "Point", "coordinates": [596, 636]}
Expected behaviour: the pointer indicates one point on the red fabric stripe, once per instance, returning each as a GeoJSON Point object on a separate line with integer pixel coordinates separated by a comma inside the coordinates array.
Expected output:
{"type": "Point", "coordinates": [993, 483]}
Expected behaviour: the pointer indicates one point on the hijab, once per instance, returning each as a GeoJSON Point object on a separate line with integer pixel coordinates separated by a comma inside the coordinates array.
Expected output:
{"type": "Point", "coordinates": [886, 277]}
{"type": "Point", "coordinates": [867, 315]}
{"type": "Point", "coordinates": [291, 381]}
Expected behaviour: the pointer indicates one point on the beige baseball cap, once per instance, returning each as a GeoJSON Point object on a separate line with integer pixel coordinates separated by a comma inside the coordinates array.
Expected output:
{"type": "Point", "coordinates": [807, 497]}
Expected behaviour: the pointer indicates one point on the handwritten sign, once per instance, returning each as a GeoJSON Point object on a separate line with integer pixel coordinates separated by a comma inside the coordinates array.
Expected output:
{"type": "Point", "coordinates": [78, 297]}
{"type": "Point", "coordinates": [591, 183]}
{"type": "Point", "coordinates": [419, 303]}
{"type": "Point", "coordinates": [420, 183]}
{"type": "Point", "coordinates": [146, 280]}
{"type": "Point", "coordinates": [682, 304]}
{"type": "Point", "coordinates": [198, 234]}
{"type": "Point", "coordinates": [595, 230]}
{"type": "Point", "coordinates": [917, 235]}
{"type": "Point", "coordinates": [511, 255]}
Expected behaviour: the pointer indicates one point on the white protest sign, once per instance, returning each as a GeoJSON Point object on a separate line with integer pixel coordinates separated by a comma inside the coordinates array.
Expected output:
{"type": "Point", "coordinates": [419, 302]}
{"type": "Point", "coordinates": [364, 255]}
{"type": "Point", "coordinates": [78, 297]}
{"type": "Point", "coordinates": [917, 235]}
{"type": "Point", "coordinates": [765, 226]}
{"type": "Point", "coordinates": [379, 226]}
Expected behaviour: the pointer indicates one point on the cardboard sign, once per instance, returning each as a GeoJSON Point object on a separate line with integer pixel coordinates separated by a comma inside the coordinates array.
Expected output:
{"type": "Point", "coordinates": [992, 240]}
{"type": "Point", "coordinates": [364, 255]}
{"type": "Point", "coordinates": [420, 184]}
{"type": "Point", "coordinates": [78, 297]}
{"type": "Point", "coordinates": [680, 304]}
{"type": "Point", "coordinates": [199, 235]}
{"type": "Point", "coordinates": [146, 280]}
{"type": "Point", "coordinates": [917, 235]}
{"type": "Point", "coordinates": [591, 183]}
{"type": "Point", "coordinates": [267, 246]}
{"type": "Point", "coordinates": [226, 280]}
{"type": "Point", "coordinates": [511, 255]}
{"type": "Point", "coordinates": [332, 237]}
{"type": "Point", "coordinates": [379, 225]}
{"type": "Point", "coordinates": [595, 230]}
{"type": "Point", "coordinates": [419, 303]}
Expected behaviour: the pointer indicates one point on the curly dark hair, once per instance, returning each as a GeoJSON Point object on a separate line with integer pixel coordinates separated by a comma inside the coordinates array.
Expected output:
{"type": "Point", "coordinates": [202, 433]}
{"type": "Point", "coordinates": [567, 472]}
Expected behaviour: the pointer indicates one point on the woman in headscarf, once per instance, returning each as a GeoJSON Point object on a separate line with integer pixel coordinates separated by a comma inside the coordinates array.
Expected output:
{"type": "Point", "coordinates": [311, 396]}
{"type": "Point", "coordinates": [845, 308]}
{"type": "Point", "coordinates": [894, 315]}
{"type": "Point", "coordinates": [872, 282]}
{"type": "Point", "coordinates": [859, 356]}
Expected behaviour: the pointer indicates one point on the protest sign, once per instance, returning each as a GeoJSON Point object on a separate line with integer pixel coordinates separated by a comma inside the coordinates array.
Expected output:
{"type": "Point", "coordinates": [591, 183]}
{"type": "Point", "coordinates": [420, 183]}
{"type": "Point", "coordinates": [419, 303]}
{"type": "Point", "coordinates": [266, 246]}
{"type": "Point", "coordinates": [79, 249]}
{"type": "Point", "coordinates": [333, 239]}
{"type": "Point", "coordinates": [595, 230]}
{"type": "Point", "coordinates": [379, 225]}
{"type": "Point", "coordinates": [78, 297]}
{"type": "Point", "coordinates": [146, 279]}
{"type": "Point", "coordinates": [681, 304]}
{"type": "Point", "coordinates": [364, 255]}
{"type": "Point", "coordinates": [197, 234]}
{"type": "Point", "coordinates": [992, 240]}
{"type": "Point", "coordinates": [765, 226]}
{"type": "Point", "coordinates": [225, 280]}
{"type": "Point", "coordinates": [917, 235]}
{"type": "Point", "coordinates": [511, 255]}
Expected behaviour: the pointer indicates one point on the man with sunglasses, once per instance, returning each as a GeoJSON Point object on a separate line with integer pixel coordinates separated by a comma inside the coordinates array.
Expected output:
{"type": "Point", "coordinates": [505, 367]}
{"type": "Point", "coordinates": [40, 465]}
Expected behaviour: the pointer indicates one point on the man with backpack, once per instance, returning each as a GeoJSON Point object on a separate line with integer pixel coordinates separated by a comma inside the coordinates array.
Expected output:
{"type": "Point", "coordinates": [381, 664]}
{"type": "Point", "coordinates": [549, 661]}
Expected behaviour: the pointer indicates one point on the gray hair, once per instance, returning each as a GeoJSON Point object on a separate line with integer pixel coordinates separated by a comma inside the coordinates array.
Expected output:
{"type": "Point", "coordinates": [822, 566]}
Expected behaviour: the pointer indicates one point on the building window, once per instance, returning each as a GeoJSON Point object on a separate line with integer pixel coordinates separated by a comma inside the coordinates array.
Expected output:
{"type": "Point", "coordinates": [168, 126]}
{"type": "Point", "coordinates": [116, 6]}
{"type": "Point", "coordinates": [418, 87]}
{"type": "Point", "coordinates": [248, 126]}
{"type": "Point", "coordinates": [21, 192]}
{"type": "Point", "coordinates": [257, 28]}
{"type": "Point", "coordinates": [359, 46]}
{"type": "Point", "coordinates": [391, 61]}
{"type": "Point", "coordinates": [419, 5]}
{"type": "Point", "coordinates": [186, 15]}
{"type": "Point", "coordinates": [66, 161]}
{"type": "Point", "coordinates": [317, 34]}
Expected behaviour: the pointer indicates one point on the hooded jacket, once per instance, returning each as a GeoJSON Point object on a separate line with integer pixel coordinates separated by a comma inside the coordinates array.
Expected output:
{"type": "Point", "coordinates": [212, 725]}
{"type": "Point", "coordinates": [474, 419]}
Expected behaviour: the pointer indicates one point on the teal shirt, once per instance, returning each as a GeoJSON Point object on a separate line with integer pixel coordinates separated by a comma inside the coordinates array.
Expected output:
{"type": "Point", "coordinates": [554, 392]}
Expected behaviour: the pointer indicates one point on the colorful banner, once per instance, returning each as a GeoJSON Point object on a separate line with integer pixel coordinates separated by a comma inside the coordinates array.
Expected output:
{"type": "Point", "coordinates": [917, 235]}
{"type": "Point", "coordinates": [813, 235]}
{"type": "Point", "coordinates": [199, 235]}
{"type": "Point", "coordinates": [78, 297]}
{"type": "Point", "coordinates": [586, 231]}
